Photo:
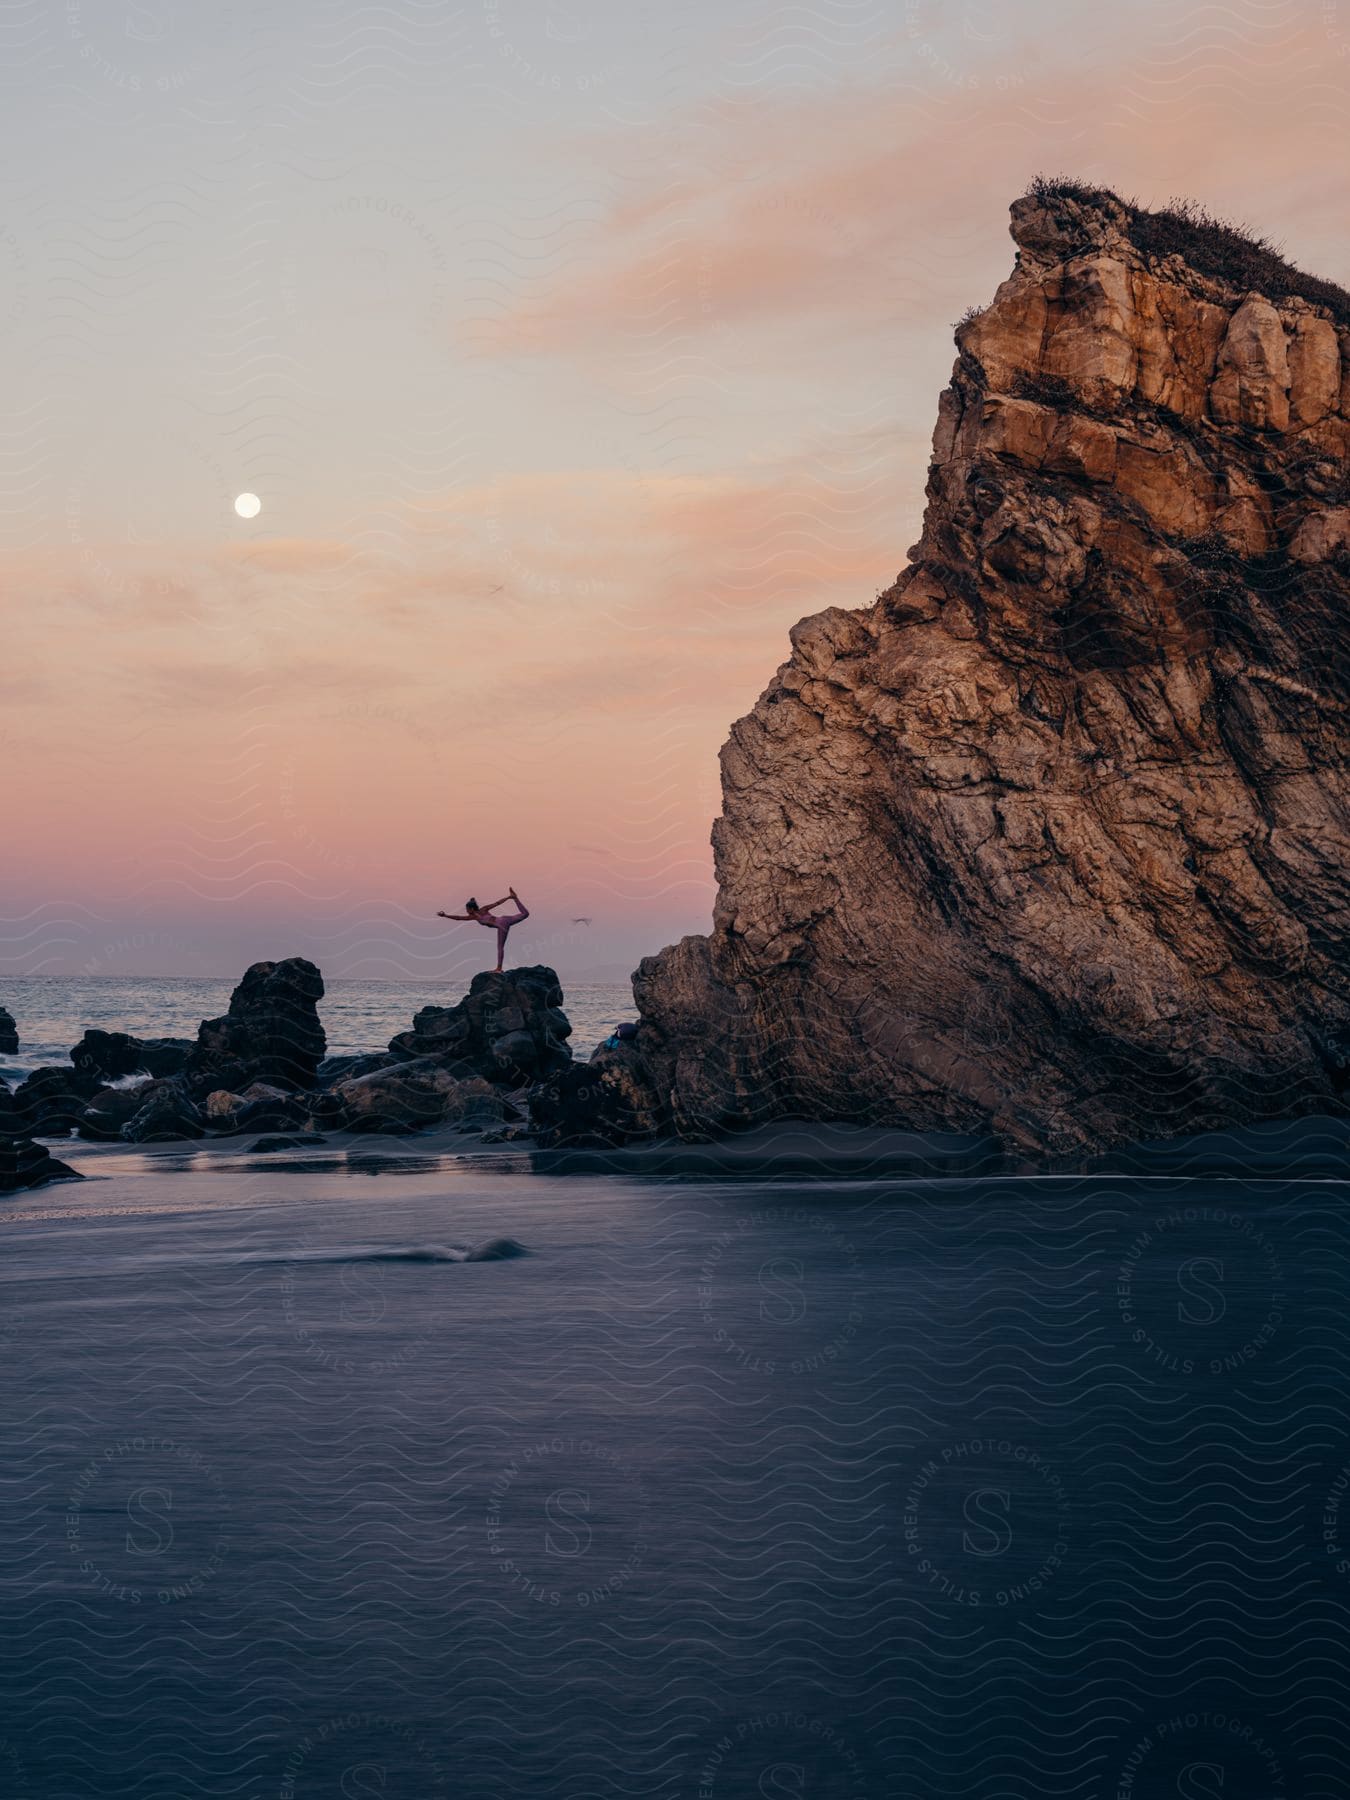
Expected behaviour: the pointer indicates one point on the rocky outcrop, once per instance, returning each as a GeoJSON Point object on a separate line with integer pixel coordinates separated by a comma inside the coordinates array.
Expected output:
{"type": "Point", "coordinates": [509, 1028]}
{"type": "Point", "coordinates": [157, 1110]}
{"type": "Point", "coordinates": [271, 1031]}
{"type": "Point", "coordinates": [105, 1115]}
{"type": "Point", "coordinates": [115, 1054]}
{"type": "Point", "coordinates": [343, 1068]}
{"type": "Point", "coordinates": [1052, 840]}
{"type": "Point", "coordinates": [9, 1033]}
{"type": "Point", "coordinates": [166, 1115]}
{"type": "Point", "coordinates": [609, 1101]}
{"type": "Point", "coordinates": [458, 1064]}
{"type": "Point", "coordinates": [24, 1164]}
{"type": "Point", "coordinates": [52, 1099]}
{"type": "Point", "coordinates": [261, 1107]}
{"type": "Point", "coordinates": [261, 1067]}
{"type": "Point", "coordinates": [411, 1095]}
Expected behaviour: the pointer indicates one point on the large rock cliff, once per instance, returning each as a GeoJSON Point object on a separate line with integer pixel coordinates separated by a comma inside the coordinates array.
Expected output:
{"type": "Point", "coordinates": [1052, 839]}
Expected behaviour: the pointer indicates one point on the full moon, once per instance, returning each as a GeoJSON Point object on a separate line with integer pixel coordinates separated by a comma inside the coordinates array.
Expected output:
{"type": "Point", "coordinates": [248, 506]}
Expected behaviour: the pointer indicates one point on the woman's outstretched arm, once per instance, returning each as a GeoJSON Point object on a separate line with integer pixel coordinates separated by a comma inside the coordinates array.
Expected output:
{"type": "Point", "coordinates": [461, 916]}
{"type": "Point", "coordinates": [492, 903]}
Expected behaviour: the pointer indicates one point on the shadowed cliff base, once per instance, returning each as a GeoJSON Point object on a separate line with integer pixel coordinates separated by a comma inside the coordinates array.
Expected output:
{"type": "Point", "coordinates": [1052, 840]}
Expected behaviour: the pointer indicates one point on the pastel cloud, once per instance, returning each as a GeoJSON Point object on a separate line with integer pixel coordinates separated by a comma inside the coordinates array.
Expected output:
{"type": "Point", "coordinates": [852, 209]}
{"type": "Point", "coordinates": [291, 556]}
{"type": "Point", "coordinates": [555, 656]}
{"type": "Point", "coordinates": [530, 673]}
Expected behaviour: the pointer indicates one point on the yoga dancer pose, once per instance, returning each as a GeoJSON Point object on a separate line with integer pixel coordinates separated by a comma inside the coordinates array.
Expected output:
{"type": "Point", "coordinates": [483, 915]}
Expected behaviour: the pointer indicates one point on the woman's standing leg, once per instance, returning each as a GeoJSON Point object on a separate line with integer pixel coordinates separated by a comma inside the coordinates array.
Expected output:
{"type": "Point", "coordinates": [522, 912]}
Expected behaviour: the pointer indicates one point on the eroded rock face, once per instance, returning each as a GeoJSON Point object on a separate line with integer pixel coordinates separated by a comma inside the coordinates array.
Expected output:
{"type": "Point", "coordinates": [271, 1032]}
{"type": "Point", "coordinates": [509, 1028]}
{"type": "Point", "coordinates": [610, 1100]}
{"type": "Point", "coordinates": [9, 1033]}
{"type": "Point", "coordinates": [1053, 839]}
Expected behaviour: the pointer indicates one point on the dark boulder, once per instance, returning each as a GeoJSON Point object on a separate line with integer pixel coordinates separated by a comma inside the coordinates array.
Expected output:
{"type": "Point", "coordinates": [414, 1094]}
{"type": "Point", "coordinates": [509, 1028]}
{"type": "Point", "coordinates": [441, 1031]}
{"type": "Point", "coordinates": [457, 1063]}
{"type": "Point", "coordinates": [298, 1141]}
{"type": "Point", "coordinates": [165, 1056]}
{"type": "Point", "coordinates": [167, 1115]}
{"type": "Point", "coordinates": [113, 1054]}
{"type": "Point", "coordinates": [608, 1101]}
{"type": "Point", "coordinates": [24, 1164]}
{"type": "Point", "coordinates": [325, 1108]}
{"type": "Point", "coordinates": [52, 1100]}
{"type": "Point", "coordinates": [271, 1114]}
{"type": "Point", "coordinates": [208, 1072]}
{"type": "Point", "coordinates": [9, 1034]}
{"type": "Point", "coordinates": [345, 1068]}
{"type": "Point", "coordinates": [271, 1032]}
{"type": "Point", "coordinates": [12, 1123]}
{"type": "Point", "coordinates": [261, 1107]}
{"type": "Point", "coordinates": [102, 1120]}
{"type": "Point", "coordinates": [109, 1054]}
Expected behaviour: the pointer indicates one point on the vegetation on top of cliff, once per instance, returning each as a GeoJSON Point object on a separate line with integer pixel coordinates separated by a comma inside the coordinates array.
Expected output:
{"type": "Point", "coordinates": [1048, 390]}
{"type": "Point", "coordinates": [1216, 247]}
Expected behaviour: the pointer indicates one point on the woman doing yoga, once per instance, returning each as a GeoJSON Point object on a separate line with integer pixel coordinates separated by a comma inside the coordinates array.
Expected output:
{"type": "Point", "coordinates": [484, 915]}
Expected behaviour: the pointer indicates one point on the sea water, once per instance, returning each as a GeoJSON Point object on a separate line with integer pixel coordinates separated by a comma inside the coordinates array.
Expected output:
{"type": "Point", "coordinates": [52, 1012]}
{"type": "Point", "coordinates": [818, 1487]}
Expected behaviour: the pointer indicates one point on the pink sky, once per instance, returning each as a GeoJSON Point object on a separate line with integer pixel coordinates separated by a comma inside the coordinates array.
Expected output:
{"type": "Point", "coordinates": [541, 505]}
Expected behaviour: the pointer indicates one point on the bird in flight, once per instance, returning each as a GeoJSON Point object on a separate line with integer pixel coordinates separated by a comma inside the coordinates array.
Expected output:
{"type": "Point", "coordinates": [581, 921]}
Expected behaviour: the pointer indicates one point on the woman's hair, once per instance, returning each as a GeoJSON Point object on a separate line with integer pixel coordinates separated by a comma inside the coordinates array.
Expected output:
{"type": "Point", "coordinates": [471, 906]}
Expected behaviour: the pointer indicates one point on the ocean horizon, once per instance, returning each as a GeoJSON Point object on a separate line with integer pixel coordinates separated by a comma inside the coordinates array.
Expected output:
{"type": "Point", "coordinates": [762, 591]}
{"type": "Point", "coordinates": [52, 1012]}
